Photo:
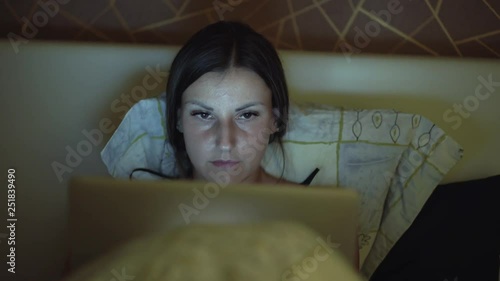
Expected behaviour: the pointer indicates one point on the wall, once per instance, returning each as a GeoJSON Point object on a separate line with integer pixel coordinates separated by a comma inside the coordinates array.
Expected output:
{"type": "Point", "coordinates": [463, 28]}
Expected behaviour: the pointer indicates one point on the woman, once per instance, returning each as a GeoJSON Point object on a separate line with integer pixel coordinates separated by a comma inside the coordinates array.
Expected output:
{"type": "Point", "coordinates": [227, 99]}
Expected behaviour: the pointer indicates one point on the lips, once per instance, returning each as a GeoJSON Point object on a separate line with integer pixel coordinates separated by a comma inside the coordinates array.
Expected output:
{"type": "Point", "coordinates": [224, 163]}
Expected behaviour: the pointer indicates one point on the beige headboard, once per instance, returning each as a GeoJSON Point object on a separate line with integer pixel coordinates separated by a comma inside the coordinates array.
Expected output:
{"type": "Point", "coordinates": [58, 97]}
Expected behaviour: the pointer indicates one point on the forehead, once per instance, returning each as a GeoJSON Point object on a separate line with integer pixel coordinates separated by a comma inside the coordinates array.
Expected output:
{"type": "Point", "coordinates": [237, 85]}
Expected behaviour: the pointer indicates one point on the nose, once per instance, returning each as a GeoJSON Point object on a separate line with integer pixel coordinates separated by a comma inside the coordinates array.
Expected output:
{"type": "Point", "coordinates": [226, 135]}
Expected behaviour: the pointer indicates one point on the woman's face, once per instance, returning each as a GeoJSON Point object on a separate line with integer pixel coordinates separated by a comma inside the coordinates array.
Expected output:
{"type": "Point", "coordinates": [226, 120]}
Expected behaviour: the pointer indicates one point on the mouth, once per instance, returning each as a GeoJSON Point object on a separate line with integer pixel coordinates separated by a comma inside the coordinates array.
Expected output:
{"type": "Point", "coordinates": [224, 163]}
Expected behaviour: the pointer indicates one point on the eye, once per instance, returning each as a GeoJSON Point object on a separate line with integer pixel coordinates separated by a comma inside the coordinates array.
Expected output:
{"type": "Point", "coordinates": [248, 115]}
{"type": "Point", "coordinates": [202, 115]}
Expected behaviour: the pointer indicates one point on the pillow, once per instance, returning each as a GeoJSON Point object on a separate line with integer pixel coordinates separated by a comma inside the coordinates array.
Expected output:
{"type": "Point", "coordinates": [140, 142]}
{"type": "Point", "coordinates": [393, 159]}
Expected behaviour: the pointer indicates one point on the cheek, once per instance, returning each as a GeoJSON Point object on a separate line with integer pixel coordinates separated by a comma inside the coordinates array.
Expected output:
{"type": "Point", "coordinates": [196, 133]}
{"type": "Point", "coordinates": [253, 143]}
{"type": "Point", "coordinates": [196, 139]}
{"type": "Point", "coordinates": [260, 130]}
{"type": "Point", "coordinates": [191, 125]}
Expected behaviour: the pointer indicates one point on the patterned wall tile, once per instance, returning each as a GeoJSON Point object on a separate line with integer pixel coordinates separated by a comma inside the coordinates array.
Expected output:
{"type": "Point", "coordinates": [301, 4]}
{"type": "Point", "coordinates": [138, 14]}
{"type": "Point", "coordinates": [421, 27]}
{"type": "Point", "coordinates": [115, 26]}
{"type": "Point", "coordinates": [435, 4]}
{"type": "Point", "coordinates": [84, 12]}
{"type": "Point", "coordinates": [268, 13]}
{"type": "Point", "coordinates": [433, 36]}
{"type": "Point", "coordinates": [180, 29]}
{"type": "Point", "coordinates": [16, 11]}
{"type": "Point", "coordinates": [87, 35]}
{"type": "Point", "coordinates": [492, 42]}
{"type": "Point", "coordinates": [409, 48]}
{"type": "Point", "coordinates": [356, 3]}
{"type": "Point", "coordinates": [9, 19]}
{"type": "Point", "coordinates": [289, 35]}
{"type": "Point", "coordinates": [241, 12]}
{"type": "Point", "coordinates": [177, 4]}
{"type": "Point", "coordinates": [152, 37]}
{"type": "Point", "coordinates": [462, 21]}
{"type": "Point", "coordinates": [21, 8]}
{"type": "Point", "coordinates": [368, 35]}
{"type": "Point", "coordinates": [60, 27]}
{"type": "Point", "coordinates": [406, 15]}
{"type": "Point", "coordinates": [272, 33]}
{"type": "Point", "coordinates": [315, 31]}
{"type": "Point", "coordinates": [475, 49]}
{"type": "Point", "coordinates": [190, 7]}
{"type": "Point", "coordinates": [339, 12]}
{"type": "Point", "coordinates": [494, 6]}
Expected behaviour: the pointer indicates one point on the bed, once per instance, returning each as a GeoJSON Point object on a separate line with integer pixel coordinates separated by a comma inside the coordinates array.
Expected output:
{"type": "Point", "coordinates": [62, 102]}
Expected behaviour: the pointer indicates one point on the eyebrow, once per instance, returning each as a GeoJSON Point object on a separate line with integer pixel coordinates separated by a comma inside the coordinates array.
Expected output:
{"type": "Point", "coordinates": [200, 104]}
{"type": "Point", "coordinates": [250, 104]}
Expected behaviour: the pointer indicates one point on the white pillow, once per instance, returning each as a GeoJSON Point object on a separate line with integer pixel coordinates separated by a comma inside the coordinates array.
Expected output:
{"type": "Point", "coordinates": [393, 159]}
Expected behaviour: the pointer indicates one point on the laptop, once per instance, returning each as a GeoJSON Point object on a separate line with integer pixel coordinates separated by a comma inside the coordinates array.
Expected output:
{"type": "Point", "coordinates": [105, 213]}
